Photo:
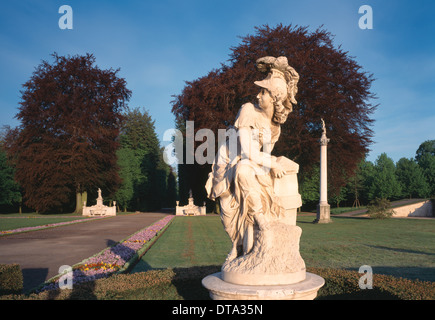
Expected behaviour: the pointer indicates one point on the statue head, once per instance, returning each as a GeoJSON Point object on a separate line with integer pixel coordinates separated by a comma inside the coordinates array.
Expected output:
{"type": "Point", "coordinates": [281, 82]}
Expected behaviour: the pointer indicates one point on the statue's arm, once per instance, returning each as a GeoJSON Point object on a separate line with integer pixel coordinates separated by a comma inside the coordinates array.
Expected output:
{"type": "Point", "coordinates": [250, 149]}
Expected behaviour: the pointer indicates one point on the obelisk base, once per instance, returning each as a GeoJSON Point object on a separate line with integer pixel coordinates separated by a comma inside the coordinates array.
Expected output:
{"type": "Point", "coordinates": [323, 214]}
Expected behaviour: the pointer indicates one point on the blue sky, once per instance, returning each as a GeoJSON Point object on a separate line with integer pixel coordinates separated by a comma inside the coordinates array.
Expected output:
{"type": "Point", "coordinates": [158, 45]}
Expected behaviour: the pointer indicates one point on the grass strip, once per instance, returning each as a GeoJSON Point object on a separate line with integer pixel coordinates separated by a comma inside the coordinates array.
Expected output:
{"type": "Point", "coordinates": [36, 225]}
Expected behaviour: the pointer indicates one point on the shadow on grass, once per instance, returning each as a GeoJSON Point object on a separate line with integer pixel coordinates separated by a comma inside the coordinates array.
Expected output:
{"type": "Point", "coordinates": [142, 266]}
{"type": "Point", "coordinates": [188, 281]}
{"type": "Point", "coordinates": [407, 272]}
{"type": "Point", "coordinates": [401, 250]}
{"type": "Point", "coordinates": [333, 218]}
{"type": "Point", "coordinates": [349, 218]}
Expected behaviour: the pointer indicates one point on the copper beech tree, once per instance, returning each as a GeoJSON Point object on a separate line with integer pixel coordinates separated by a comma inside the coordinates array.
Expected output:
{"type": "Point", "coordinates": [332, 86]}
{"type": "Point", "coordinates": [70, 113]}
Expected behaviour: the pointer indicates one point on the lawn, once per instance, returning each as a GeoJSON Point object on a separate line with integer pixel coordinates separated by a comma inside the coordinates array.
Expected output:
{"type": "Point", "coordinates": [10, 223]}
{"type": "Point", "coordinates": [189, 241]}
{"type": "Point", "coordinates": [194, 247]}
{"type": "Point", "coordinates": [399, 247]}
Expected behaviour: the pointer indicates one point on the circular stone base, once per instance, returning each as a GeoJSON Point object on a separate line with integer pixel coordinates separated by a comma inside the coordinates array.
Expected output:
{"type": "Point", "coordinates": [264, 279]}
{"type": "Point", "coordinates": [304, 290]}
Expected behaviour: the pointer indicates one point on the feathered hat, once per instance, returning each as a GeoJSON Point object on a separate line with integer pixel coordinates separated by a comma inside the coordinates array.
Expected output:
{"type": "Point", "coordinates": [281, 80]}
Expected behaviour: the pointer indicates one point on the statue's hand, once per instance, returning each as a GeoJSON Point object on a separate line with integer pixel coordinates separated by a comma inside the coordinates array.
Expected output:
{"type": "Point", "coordinates": [278, 172]}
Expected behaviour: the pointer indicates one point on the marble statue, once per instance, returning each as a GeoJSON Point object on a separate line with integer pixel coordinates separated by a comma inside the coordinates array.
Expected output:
{"type": "Point", "coordinates": [258, 197]}
{"type": "Point", "coordinates": [258, 192]}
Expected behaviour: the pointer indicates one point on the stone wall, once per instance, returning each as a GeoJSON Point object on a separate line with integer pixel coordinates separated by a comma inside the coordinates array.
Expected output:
{"type": "Point", "coordinates": [420, 209]}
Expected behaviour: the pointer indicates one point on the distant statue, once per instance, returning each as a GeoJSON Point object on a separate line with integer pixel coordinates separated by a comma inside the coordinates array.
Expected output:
{"type": "Point", "coordinates": [99, 209]}
{"type": "Point", "coordinates": [245, 182]}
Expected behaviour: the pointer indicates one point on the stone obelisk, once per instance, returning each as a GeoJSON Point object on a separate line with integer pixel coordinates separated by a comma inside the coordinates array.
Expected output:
{"type": "Point", "coordinates": [323, 208]}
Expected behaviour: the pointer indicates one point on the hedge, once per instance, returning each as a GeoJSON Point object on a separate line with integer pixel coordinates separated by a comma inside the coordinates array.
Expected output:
{"type": "Point", "coordinates": [11, 279]}
{"type": "Point", "coordinates": [185, 283]}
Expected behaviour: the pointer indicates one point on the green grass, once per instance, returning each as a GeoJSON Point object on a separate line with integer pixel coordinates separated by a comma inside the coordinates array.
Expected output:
{"type": "Point", "coordinates": [15, 220]}
{"type": "Point", "coordinates": [399, 247]}
{"type": "Point", "coordinates": [15, 223]}
{"type": "Point", "coordinates": [194, 247]}
{"type": "Point", "coordinates": [340, 210]}
{"type": "Point", "coordinates": [189, 241]}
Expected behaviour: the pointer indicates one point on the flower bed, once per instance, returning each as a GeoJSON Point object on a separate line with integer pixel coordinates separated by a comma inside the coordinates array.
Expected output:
{"type": "Point", "coordinates": [50, 225]}
{"type": "Point", "coordinates": [113, 259]}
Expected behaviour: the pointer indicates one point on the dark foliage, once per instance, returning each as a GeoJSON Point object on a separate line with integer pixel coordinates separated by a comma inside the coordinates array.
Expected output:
{"type": "Point", "coordinates": [332, 86]}
{"type": "Point", "coordinates": [66, 143]}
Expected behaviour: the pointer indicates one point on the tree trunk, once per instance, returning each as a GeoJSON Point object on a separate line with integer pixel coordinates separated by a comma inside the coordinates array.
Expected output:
{"type": "Point", "coordinates": [80, 198]}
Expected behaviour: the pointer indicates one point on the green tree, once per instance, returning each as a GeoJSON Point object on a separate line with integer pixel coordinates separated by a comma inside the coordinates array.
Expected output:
{"type": "Point", "coordinates": [384, 183]}
{"type": "Point", "coordinates": [361, 183]}
{"type": "Point", "coordinates": [427, 147]}
{"type": "Point", "coordinates": [142, 169]}
{"type": "Point", "coordinates": [9, 189]}
{"type": "Point", "coordinates": [355, 185]}
{"type": "Point", "coordinates": [427, 163]}
{"type": "Point", "coordinates": [310, 187]}
{"type": "Point", "coordinates": [425, 156]}
{"type": "Point", "coordinates": [379, 209]}
{"type": "Point", "coordinates": [129, 170]}
{"type": "Point", "coordinates": [339, 197]}
{"type": "Point", "coordinates": [171, 190]}
{"type": "Point", "coordinates": [411, 178]}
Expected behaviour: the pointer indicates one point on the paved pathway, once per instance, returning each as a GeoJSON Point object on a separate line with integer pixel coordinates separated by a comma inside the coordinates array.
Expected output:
{"type": "Point", "coordinates": [40, 253]}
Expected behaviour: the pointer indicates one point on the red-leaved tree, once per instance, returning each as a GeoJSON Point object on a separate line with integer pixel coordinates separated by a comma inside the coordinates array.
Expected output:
{"type": "Point", "coordinates": [70, 114]}
{"type": "Point", "coordinates": [332, 86]}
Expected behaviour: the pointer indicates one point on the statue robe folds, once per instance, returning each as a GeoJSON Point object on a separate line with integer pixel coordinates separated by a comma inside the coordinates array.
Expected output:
{"type": "Point", "coordinates": [244, 187]}
{"type": "Point", "coordinates": [258, 196]}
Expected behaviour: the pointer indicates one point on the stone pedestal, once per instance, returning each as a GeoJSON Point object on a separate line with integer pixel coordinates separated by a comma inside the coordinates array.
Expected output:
{"type": "Point", "coordinates": [190, 209]}
{"type": "Point", "coordinates": [99, 209]}
{"type": "Point", "coordinates": [272, 270]}
{"type": "Point", "coordinates": [323, 214]}
{"type": "Point", "coordinates": [274, 259]}
{"type": "Point", "coordinates": [303, 290]}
